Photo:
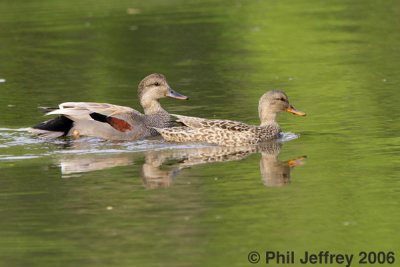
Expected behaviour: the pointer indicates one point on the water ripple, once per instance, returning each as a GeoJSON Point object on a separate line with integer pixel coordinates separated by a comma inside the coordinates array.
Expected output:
{"type": "Point", "coordinates": [18, 144]}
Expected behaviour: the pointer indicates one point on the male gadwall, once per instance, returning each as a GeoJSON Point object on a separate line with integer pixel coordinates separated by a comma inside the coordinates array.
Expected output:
{"type": "Point", "coordinates": [113, 122]}
{"type": "Point", "coordinates": [233, 133]}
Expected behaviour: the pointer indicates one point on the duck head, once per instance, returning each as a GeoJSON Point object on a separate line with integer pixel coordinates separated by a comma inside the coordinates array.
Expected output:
{"type": "Point", "coordinates": [151, 89]}
{"type": "Point", "coordinates": [273, 102]}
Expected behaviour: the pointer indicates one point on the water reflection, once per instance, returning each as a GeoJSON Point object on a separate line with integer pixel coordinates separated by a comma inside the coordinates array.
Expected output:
{"type": "Point", "coordinates": [161, 166]}
{"type": "Point", "coordinates": [275, 172]}
{"type": "Point", "coordinates": [74, 164]}
{"type": "Point", "coordinates": [153, 175]}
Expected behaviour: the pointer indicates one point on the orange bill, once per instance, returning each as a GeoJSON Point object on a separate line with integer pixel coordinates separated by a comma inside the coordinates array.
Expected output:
{"type": "Point", "coordinates": [291, 109]}
{"type": "Point", "coordinates": [295, 162]}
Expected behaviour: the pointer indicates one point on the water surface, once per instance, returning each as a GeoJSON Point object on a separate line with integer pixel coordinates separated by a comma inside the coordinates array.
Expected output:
{"type": "Point", "coordinates": [149, 203]}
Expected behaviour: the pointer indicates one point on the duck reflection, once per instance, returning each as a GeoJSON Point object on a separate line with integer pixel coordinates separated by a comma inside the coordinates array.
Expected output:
{"type": "Point", "coordinates": [273, 171]}
{"type": "Point", "coordinates": [160, 167]}
{"type": "Point", "coordinates": [85, 163]}
{"type": "Point", "coordinates": [153, 175]}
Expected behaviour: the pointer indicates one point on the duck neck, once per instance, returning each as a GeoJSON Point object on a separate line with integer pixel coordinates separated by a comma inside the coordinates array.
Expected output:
{"type": "Point", "coordinates": [267, 117]}
{"type": "Point", "coordinates": [151, 107]}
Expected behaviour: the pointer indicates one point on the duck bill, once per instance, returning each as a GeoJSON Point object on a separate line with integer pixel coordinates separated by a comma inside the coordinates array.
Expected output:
{"type": "Point", "coordinates": [171, 93]}
{"type": "Point", "coordinates": [292, 110]}
{"type": "Point", "coordinates": [295, 162]}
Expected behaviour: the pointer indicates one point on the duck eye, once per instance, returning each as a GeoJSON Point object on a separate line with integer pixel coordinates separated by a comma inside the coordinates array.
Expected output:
{"type": "Point", "coordinates": [156, 83]}
{"type": "Point", "coordinates": [282, 99]}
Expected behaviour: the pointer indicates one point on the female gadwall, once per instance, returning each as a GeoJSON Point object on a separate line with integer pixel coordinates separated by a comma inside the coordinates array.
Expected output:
{"type": "Point", "coordinates": [233, 133]}
{"type": "Point", "coordinates": [113, 122]}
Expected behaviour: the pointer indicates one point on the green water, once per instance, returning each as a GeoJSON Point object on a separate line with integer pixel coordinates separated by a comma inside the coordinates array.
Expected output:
{"type": "Point", "coordinates": [149, 203]}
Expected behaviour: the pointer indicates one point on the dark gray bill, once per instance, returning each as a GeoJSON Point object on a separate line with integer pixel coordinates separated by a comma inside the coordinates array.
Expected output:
{"type": "Point", "coordinates": [171, 93]}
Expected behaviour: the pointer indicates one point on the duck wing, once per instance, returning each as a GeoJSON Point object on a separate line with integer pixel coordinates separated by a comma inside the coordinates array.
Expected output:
{"type": "Point", "coordinates": [199, 123]}
{"type": "Point", "coordinates": [221, 132]}
{"type": "Point", "coordinates": [119, 117]}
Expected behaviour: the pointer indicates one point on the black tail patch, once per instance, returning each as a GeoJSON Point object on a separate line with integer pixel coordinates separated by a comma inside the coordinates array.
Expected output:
{"type": "Point", "coordinates": [59, 124]}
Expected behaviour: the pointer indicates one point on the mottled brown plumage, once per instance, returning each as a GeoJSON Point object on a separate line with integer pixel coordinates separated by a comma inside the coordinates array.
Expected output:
{"type": "Point", "coordinates": [233, 133]}
{"type": "Point", "coordinates": [112, 121]}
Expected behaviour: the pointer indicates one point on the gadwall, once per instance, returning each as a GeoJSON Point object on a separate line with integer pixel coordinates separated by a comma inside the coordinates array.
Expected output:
{"type": "Point", "coordinates": [233, 133]}
{"type": "Point", "coordinates": [113, 122]}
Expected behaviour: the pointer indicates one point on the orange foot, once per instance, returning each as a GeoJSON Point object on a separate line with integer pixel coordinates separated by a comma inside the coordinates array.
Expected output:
{"type": "Point", "coordinates": [76, 134]}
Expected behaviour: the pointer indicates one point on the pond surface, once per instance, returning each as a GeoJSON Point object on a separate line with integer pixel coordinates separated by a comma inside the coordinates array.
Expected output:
{"type": "Point", "coordinates": [331, 184]}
